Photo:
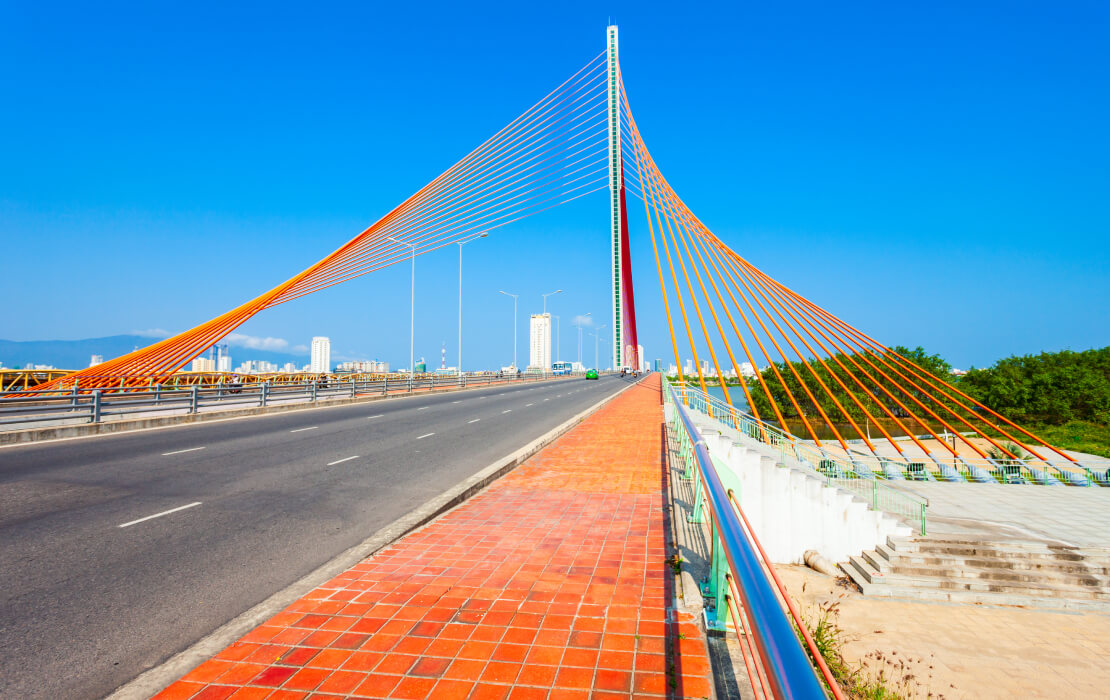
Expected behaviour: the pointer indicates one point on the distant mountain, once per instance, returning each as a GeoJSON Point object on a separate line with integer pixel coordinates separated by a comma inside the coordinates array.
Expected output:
{"type": "Point", "coordinates": [75, 354]}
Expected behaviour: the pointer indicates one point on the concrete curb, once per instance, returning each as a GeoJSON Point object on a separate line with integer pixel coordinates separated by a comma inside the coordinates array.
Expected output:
{"type": "Point", "coordinates": [156, 679]}
{"type": "Point", "coordinates": [69, 432]}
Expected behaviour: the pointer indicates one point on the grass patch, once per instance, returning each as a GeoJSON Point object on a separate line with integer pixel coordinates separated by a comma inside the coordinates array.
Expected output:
{"type": "Point", "coordinates": [1078, 435]}
{"type": "Point", "coordinates": [881, 676]}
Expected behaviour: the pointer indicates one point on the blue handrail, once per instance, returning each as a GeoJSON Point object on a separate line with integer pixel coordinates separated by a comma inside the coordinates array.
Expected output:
{"type": "Point", "coordinates": [789, 670]}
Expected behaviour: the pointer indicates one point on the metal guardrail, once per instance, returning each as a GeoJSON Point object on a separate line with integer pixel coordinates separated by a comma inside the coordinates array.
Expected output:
{"type": "Point", "coordinates": [17, 409]}
{"type": "Point", "coordinates": [838, 473]}
{"type": "Point", "coordinates": [740, 584]}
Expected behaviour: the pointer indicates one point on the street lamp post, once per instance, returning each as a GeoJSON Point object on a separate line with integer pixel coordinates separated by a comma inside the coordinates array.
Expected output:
{"type": "Point", "coordinates": [412, 309]}
{"type": "Point", "coordinates": [461, 244]}
{"type": "Point", "coordinates": [578, 322]}
{"type": "Point", "coordinates": [545, 296]}
{"type": "Point", "coordinates": [558, 345]}
{"type": "Point", "coordinates": [597, 335]}
{"type": "Point", "coordinates": [514, 296]}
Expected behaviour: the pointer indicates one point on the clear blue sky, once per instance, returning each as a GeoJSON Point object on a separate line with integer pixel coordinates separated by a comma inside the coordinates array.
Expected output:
{"type": "Point", "coordinates": [935, 174]}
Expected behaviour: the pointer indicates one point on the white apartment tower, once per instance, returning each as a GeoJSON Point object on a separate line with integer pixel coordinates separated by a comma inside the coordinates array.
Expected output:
{"type": "Point", "coordinates": [321, 355]}
{"type": "Point", "coordinates": [539, 349]}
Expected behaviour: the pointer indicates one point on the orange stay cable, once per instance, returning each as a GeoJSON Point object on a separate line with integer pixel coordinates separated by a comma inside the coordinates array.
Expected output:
{"type": "Point", "coordinates": [693, 297]}
{"type": "Point", "coordinates": [737, 281]}
{"type": "Point", "coordinates": [771, 299]}
{"type": "Point", "coordinates": [659, 270]}
{"type": "Point", "coordinates": [678, 291]}
{"type": "Point", "coordinates": [941, 388]}
{"type": "Point", "coordinates": [849, 353]}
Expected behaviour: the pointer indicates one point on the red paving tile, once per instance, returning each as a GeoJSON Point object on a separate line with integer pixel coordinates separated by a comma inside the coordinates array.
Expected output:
{"type": "Point", "coordinates": [551, 583]}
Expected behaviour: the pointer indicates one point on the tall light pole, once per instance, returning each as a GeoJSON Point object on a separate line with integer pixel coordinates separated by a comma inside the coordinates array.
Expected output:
{"type": "Point", "coordinates": [514, 296]}
{"type": "Point", "coordinates": [578, 322]}
{"type": "Point", "coordinates": [412, 308]}
{"type": "Point", "coordinates": [597, 335]}
{"type": "Point", "coordinates": [558, 345]}
{"type": "Point", "coordinates": [545, 296]}
{"type": "Point", "coordinates": [483, 234]}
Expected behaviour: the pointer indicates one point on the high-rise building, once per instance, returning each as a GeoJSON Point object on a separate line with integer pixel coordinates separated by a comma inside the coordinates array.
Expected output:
{"type": "Point", "coordinates": [203, 364]}
{"type": "Point", "coordinates": [363, 366]}
{"type": "Point", "coordinates": [321, 355]}
{"type": "Point", "coordinates": [95, 360]}
{"type": "Point", "coordinates": [539, 348]}
{"type": "Point", "coordinates": [658, 365]}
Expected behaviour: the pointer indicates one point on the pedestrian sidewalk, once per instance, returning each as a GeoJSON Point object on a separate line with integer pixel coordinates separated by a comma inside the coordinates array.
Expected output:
{"type": "Point", "coordinates": [551, 583]}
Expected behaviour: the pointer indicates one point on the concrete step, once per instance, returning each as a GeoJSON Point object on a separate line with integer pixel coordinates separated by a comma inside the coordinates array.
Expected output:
{"type": "Point", "coordinates": [945, 582]}
{"type": "Point", "coordinates": [999, 564]}
{"type": "Point", "coordinates": [1001, 576]}
{"type": "Point", "coordinates": [883, 590]}
{"type": "Point", "coordinates": [884, 559]}
{"type": "Point", "coordinates": [1004, 549]}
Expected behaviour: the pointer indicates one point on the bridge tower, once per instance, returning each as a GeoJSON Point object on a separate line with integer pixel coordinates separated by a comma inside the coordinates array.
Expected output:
{"type": "Point", "coordinates": [624, 310]}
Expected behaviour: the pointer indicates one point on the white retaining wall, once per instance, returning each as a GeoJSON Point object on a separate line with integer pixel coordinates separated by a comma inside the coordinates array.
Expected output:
{"type": "Point", "coordinates": [792, 511]}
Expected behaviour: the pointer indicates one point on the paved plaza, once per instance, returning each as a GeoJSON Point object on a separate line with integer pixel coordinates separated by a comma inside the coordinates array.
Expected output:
{"type": "Point", "coordinates": [1068, 515]}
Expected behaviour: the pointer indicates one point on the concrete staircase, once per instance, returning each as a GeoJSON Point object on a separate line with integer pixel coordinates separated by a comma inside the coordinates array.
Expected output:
{"type": "Point", "coordinates": [968, 570]}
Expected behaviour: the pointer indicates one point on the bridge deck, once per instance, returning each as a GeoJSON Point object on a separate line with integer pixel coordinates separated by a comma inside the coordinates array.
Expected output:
{"type": "Point", "coordinates": [552, 583]}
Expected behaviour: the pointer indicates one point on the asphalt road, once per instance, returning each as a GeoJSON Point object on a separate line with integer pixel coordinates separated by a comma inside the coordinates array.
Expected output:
{"type": "Point", "coordinates": [94, 591]}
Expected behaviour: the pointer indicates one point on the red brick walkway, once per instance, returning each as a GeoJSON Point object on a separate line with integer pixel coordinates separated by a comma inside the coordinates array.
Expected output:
{"type": "Point", "coordinates": [552, 583]}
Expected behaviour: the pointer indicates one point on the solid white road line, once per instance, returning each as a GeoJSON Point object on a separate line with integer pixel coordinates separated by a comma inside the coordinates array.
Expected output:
{"type": "Point", "coordinates": [507, 411]}
{"type": "Point", "coordinates": [529, 404]}
{"type": "Point", "coordinates": [159, 515]}
{"type": "Point", "coordinates": [298, 430]}
{"type": "Point", "coordinates": [421, 408]}
{"type": "Point", "coordinates": [473, 421]}
{"type": "Point", "coordinates": [377, 416]}
{"type": "Point", "coordinates": [425, 435]}
{"type": "Point", "coordinates": [191, 449]}
{"type": "Point", "coordinates": [456, 402]}
{"type": "Point", "coordinates": [340, 461]}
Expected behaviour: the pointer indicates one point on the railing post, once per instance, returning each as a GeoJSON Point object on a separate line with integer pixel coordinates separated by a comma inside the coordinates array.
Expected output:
{"type": "Point", "coordinates": [194, 399]}
{"type": "Point", "coordinates": [158, 393]}
{"type": "Point", "coordinates": [875, 494]}
{"type": "Point", "coordinates": [96, 406]}
{"type": "Point", "coordinates": [923, 529]}
{"type": "Point", "coordinates": [715, 588]}
{"type": "Point", "coordinates": [265, 393]}
{"type": "Point", "coordinates": [352, 388]}
{"type": "Point", "coordinates": [385, 386]}
{"type": "Point", "coordinates": [313, 392]}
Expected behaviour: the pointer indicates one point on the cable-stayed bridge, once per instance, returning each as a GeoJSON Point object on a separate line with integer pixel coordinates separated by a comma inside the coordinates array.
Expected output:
{"type": "Point", "coordinates": [831, 381]}
{"type": "Point", "coordinates": [825, 388]}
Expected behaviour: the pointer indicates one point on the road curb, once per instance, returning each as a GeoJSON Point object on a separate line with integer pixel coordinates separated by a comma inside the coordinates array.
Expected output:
{"type": "Point", "coordinates": [38, 436]}
{"type": "Point", "coordinates": [154, 680]}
